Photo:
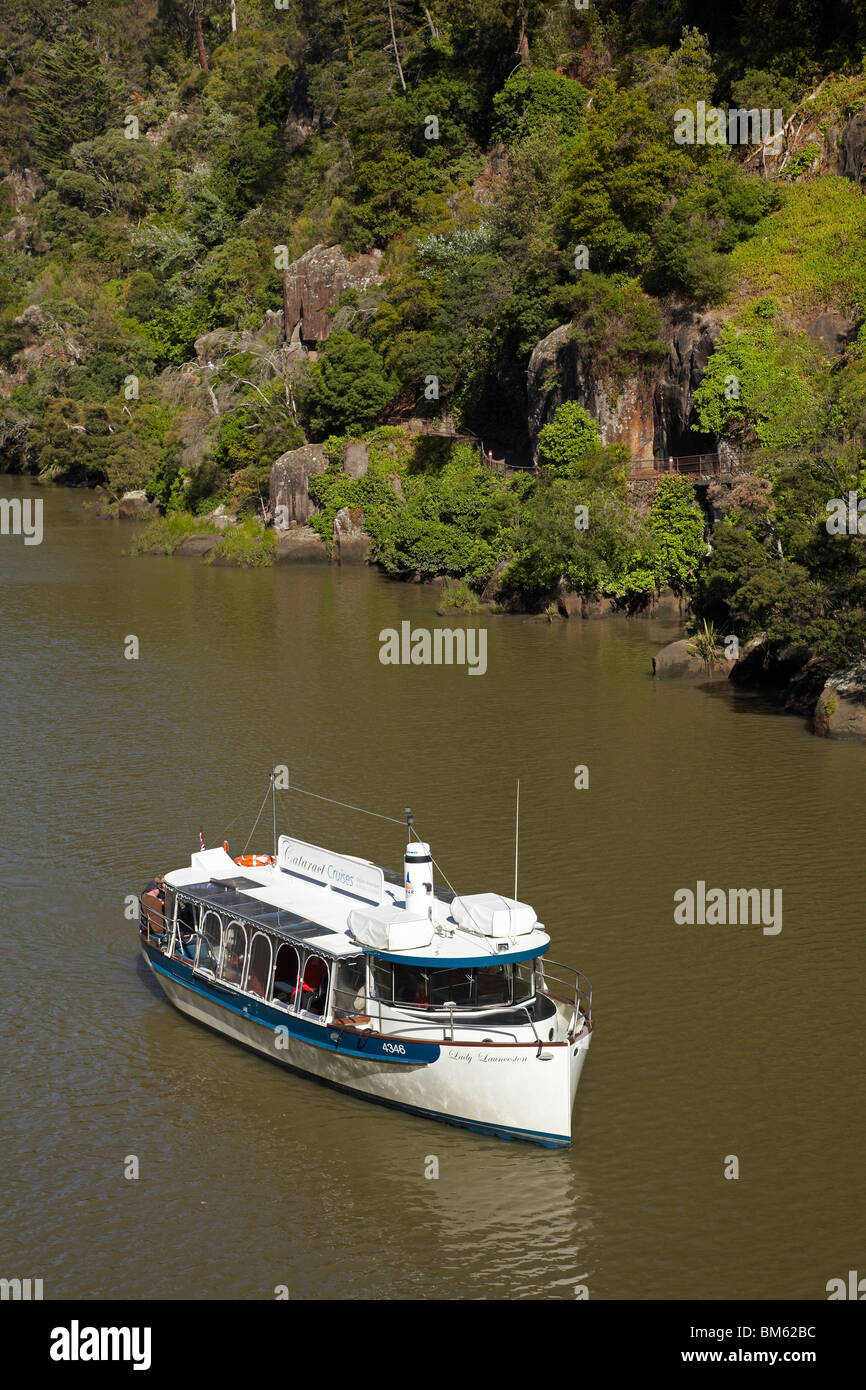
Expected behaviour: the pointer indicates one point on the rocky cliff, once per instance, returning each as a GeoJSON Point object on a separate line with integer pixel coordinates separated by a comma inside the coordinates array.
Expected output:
{"type": "Point", "coordinates": [313, 285]}
{"type": "Point", "coordinates": [650, 413]}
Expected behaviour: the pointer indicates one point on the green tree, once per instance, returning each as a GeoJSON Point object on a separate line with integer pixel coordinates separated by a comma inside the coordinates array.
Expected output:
{"type": "Point", "coordinates": [348, 386]}
{"type": "Point", "coordinates": [570, 437]}
{"type": "Point", "coordinates": [537, 97]}
{"type": "Point", "coordinates": [677, 524]}
{"type": "Point", "coordinates": [71, 98]}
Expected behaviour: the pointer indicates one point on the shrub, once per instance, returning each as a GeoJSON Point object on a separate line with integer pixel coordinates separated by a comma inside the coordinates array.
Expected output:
{"type": "Point", "coordinates": [347, 388]}
{"type": "Point", "coordinates": [569, 438]}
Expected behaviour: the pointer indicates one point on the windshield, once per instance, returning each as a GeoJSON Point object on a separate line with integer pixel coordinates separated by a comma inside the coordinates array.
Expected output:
{"type": "Point", "coordinates": [464, 987]}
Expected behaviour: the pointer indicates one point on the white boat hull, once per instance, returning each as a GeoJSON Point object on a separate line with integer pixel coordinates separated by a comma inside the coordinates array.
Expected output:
{"type": "Point", "coordinates": [504, 1089]}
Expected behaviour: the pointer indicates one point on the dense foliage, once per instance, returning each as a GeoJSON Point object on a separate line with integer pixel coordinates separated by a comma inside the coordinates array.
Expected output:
{"type": "Point", "coordinates": [515, 164]}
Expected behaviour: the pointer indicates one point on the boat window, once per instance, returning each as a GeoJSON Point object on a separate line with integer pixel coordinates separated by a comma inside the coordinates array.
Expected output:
{"type": "Point", "coordinates": [186, 913]}
{"type": "Point", "coordinates": [314, 989]}
{"type": "Point", "coordinates": [234, 954]}
{"type": "Point", "coordinates": [210, 943]}
{"type": "Point", "coordinates": [524, 981]}
{"type": "Point", "coordinates": [286, 975]}
{"type": "Point", "coordinates": [184, 937]}
{"type": "Point", "coordinates": [261, 954]}
{"type": "Point", "coordinates": [493, 985]}
{"type": "Point", "coordinates": [480, 988]}
{"type": "Point", "coordinates": [452, 987]}
{"type": "Point", "coordinates": [465, 987]}
{"type": "Point", "coordinates": [381, 979]}
{"type": "Point", "coordinates": [350, 988]}
{"type": "Point", "coordinates": [410, 986]}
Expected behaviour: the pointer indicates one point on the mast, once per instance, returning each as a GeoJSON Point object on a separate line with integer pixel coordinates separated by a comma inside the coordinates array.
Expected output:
{"type": "Point", "coordinates": [516, 836]}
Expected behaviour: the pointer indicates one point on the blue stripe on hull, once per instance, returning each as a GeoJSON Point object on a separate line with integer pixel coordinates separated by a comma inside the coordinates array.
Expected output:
{"type": "Point", "coordinates": [547, 1141]}
{"type": "Point", "coordinates": [301, 1029]}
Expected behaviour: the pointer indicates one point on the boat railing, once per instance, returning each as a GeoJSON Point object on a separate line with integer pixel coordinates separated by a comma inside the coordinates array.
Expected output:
{"type": "Point", "coordinates": [578, 989]}
{"type": "Point", "coordinates": [355, 1007]}
{"type": "Point", "coordinates": [152, 922]}
{"type": "Point", "coordinates": [157, 928]}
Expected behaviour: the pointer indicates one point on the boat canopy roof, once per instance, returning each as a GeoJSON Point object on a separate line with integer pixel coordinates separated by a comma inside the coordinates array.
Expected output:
{"type": "Point", "coordinates": [343, 906]}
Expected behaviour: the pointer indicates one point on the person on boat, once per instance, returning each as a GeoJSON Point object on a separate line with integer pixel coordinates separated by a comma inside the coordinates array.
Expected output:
{"type": "Point", "coordinates": [157, 887]}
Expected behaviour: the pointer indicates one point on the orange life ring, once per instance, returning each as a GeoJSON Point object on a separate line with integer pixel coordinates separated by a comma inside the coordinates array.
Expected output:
{"type": "Point", "coordinates": [254, 861]}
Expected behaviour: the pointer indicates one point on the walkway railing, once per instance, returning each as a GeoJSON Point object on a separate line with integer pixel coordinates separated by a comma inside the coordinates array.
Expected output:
{"type": "Point", "coordinates": [702, 465]}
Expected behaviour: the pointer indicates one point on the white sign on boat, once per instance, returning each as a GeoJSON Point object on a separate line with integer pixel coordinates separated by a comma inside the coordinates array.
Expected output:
{"type": "Point", "coordinates": [331, 870]}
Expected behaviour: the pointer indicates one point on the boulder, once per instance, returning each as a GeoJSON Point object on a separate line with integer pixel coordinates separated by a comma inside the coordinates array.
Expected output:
{"type": "Point", "coordinates": [221, 519]}
{"type": "Point", "coordinates": [596, 606]}
{"type": "Point", "coordinates": [351, 542]}
{"type": "Point", "coordinates": [789, 673]}
{"type": "Point", "coordinates": [677, 662]}
{"type": "Point", "coordinates": [197, 545]}
{"type": "Point", "coordinates": [133, 505]}
{"type": "Point", "coordinates": [313, 284]}
{"type": "Point", "coordinates": [851, 160]}
{"type": "Point", "coordinates": [290, 500]}
{"type": "Point", "coordinates": [493, 590]}
{"type": "Point", "coordinates": [356, 460]}
{"type": "Point", "coordinates": [301, 546]}
{"type": "Point", "coordinates": [841, 708]}
{"type": "Point", "coordinates": [568, 601]}
{"type": "Point", "coordinates": [832, 330]}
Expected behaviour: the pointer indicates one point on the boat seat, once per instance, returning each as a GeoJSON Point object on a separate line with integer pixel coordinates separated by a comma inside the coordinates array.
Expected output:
{"type": "Point", "coordinates": [153, 915]}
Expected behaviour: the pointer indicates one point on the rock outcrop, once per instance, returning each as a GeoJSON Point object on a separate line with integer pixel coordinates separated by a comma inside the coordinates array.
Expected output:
{"type": "Point", "coordinates": [650, 414]}
{"type": "Point", "coordinates": [851, 157]}
{"type": "Point", "coordinates": [351, 542]}
{"type": "Point", "coordinates": [290, 500]}
{"type": "Point", "coordinates": [313, 285]}
{"type": "Point", "coordinates": [356, 460]}
{"type": "Point", "coordinates": [692, 338]}
{"type": "Point", "coordinates": [677, 661]}
{"type": "Point", "coordinates": [841, 708]}
{"type": "Point", "coordinates": [133, 505]}
{"type": "Point", "coordinates": [301, 546]}
{"type": "Point", "coordinates": [25, 186]}
{"type": "Point", "coordinates": [559, 370]}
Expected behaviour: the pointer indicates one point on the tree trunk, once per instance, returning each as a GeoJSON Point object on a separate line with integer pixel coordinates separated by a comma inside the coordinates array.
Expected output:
{"type": "Point", "coordinates": [234, 16]}
{"type": "Point", "coordinates": [396, 50]}
{"type": "Point", "coordinates": [523, 41]}
{"type": "Point", "coordinates": [199, 36]}
{"type": "Point", "coordinates": [348, 33]}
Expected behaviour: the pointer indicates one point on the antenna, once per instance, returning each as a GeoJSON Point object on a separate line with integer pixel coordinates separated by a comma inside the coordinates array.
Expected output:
{"type": "Point", "coordinates": [516, 835]}
{"type": "Point", "coordinates": [274, 804]}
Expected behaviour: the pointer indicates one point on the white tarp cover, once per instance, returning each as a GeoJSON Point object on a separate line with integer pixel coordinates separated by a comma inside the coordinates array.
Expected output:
{"type": "Point", "coordinates": [389, 928]}
{"type": "Point", "coordinates": [215, 864]}
{"type": "Point", "coordinates": [492, 915]}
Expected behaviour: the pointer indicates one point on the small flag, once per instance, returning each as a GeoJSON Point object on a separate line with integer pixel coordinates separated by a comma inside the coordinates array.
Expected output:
{"type": "Point", "coordinates": [201, 837]}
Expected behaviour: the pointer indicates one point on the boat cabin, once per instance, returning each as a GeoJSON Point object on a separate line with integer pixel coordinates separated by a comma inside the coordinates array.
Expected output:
{"type": "Point", "coordinates": [336, 939]}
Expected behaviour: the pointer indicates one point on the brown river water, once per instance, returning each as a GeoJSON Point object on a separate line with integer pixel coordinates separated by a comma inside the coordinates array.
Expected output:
{"type": "Point", "coordinates": [710, 1041]}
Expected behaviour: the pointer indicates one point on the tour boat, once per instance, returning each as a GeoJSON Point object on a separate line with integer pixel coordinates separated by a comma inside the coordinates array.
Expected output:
{"type": "Point", "coordinates": [381, 984]}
